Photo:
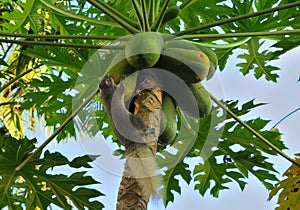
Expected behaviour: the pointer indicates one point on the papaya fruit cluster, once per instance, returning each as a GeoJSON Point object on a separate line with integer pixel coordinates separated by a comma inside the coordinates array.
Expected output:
{"type": "Point", "coordinates": [191, 63]}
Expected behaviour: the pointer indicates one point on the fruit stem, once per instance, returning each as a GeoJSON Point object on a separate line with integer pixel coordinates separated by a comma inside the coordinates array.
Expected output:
{"type": "Point", "coordinates": [254, 132]}
{"type": "Point", "coordinates": [157, 6]}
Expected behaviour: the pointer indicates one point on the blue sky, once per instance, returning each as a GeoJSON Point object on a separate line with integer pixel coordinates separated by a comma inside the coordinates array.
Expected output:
{"type": "Point", "coordinates": [282, 98]}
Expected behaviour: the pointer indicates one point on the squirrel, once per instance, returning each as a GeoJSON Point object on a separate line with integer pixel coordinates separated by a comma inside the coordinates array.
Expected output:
{"type": "Point", "coordinates": [126, 125]}
{"type": "Point", "coordinates": [130, 130]}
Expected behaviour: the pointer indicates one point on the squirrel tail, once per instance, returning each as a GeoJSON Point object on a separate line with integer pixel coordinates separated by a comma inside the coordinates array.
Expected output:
{"type": "Point", "coordinates": [141, 165]}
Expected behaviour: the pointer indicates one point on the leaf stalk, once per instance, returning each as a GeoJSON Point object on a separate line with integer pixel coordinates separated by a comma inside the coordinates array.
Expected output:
{"type": "Point", "coordinates": [145, 16]}
{"type": "Point", "coordinates": [121, 19]}
{"type": "Point", "coordinates": [157, 22]}
{"type": "Point", "coordinates": [244, 34]}
{"type": "Point", "coordinates": [79, 17]}
{"type": "Point", "coordinates": [138, 12]}
{"type": "Point", "coordinates": [71, 37]}
{"type": "Point", "coordinates": [237, 18]}
{"type": "Point", "coordinates": [64, 124]}
{"type": "Point", "coordinates": [42, 43]}
{"type": "Point", "coordinates": [254, 132]}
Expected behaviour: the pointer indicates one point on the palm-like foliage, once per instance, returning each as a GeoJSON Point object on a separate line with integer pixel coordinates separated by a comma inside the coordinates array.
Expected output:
{"type": "Point", "coordinates": [47, 75]}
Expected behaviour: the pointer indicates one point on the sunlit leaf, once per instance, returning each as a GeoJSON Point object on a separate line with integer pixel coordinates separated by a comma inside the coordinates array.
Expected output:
{"type": "Point", "coordinates": [288, 189]}
{"type": "Point", "coordinates": [34, 186]}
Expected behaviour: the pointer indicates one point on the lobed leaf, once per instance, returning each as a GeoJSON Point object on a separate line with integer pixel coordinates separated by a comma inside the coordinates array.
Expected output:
{"type": "Point", "coordinates": [35, 187]}
{"type": "Point", "coordinates": [288, 189]}
{"type": "Point", "coordinates": [171, 184]}
{"type": "Point", "coordinates": [226, 152]}
{"type": "Point", "coordinates": [256, 60]}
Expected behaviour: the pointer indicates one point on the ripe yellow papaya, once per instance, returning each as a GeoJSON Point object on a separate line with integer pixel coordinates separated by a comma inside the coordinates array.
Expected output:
{"type": "Point", "coordinates": [203, 99]}
{"type": "Point", "coordinates": [143, 49]}
{"type": "Point", "coordinates": [168, 121]}
{"type": "Point", "coordinates": [192, 66]}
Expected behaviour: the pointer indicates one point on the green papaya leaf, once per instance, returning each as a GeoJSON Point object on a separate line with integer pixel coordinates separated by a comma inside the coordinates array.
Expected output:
{"type": "Point", "coordinates": [229, 153]}
{"type": "Point", "coordinates": [256, 60]}
{"type": "Point", "coordinates": [171, 183]}
{"type": "Point", "coordinates": [34, 186]}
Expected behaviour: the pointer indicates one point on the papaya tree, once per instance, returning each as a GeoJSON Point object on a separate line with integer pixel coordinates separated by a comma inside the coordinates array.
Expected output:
{"type": "Point", "coordinates": [135, 72]}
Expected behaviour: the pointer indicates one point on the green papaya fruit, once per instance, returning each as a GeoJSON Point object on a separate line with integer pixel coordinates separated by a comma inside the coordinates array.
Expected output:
{"type": "Point", "coordinates": [192, 66]}
{"type": "Point", "coordinates": [119, 67]}
{"type": "Point", "coordinates": [203, 99]}
{"type": "Point", "coordinates": [143, 49]}
{"type": "Point", "coordinates": [172, 12]}
{"type": "Point", "coordinates": [212, 71]}
{"type": "Point", "coordinates": [168, 121]}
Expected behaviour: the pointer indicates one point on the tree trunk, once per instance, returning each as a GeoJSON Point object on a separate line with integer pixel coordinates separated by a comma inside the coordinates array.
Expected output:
{"type": "Point", "coordinates": [139, 181]}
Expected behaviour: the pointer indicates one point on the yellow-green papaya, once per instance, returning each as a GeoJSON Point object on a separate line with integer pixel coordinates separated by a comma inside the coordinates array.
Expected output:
{"type": "Point", "coordinates": [168, 121]}
{"type": "Point", "coordinates": [210, 54]}
{"type": "Point", "coordinates": [192, 66]}
{"type": "Point", "coordinates": [182, 43]}
{"type": "Point", "coordinates": [185, 44]}
{"type": "Point", "coordinates": [213, 60]}
{"type": "Point", "coordinates": [143, 49]}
